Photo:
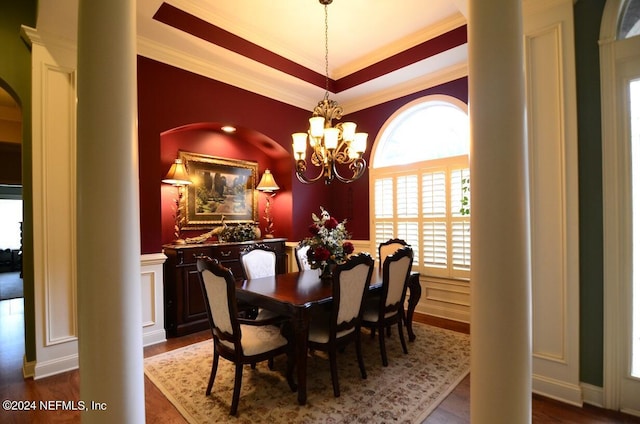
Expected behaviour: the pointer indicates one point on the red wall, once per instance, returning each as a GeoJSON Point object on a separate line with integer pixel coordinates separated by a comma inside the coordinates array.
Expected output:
{"type": "Point", "coordinates": [169, 98]}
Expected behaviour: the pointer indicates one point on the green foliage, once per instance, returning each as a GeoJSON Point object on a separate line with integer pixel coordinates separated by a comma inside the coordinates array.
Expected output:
{"type": "Point", "coordinates": [466, 184]}
{"type": "Point", "coordinates": [240, 232]}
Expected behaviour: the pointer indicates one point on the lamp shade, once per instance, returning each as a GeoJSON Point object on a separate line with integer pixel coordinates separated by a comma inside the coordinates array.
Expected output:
{"type": "Point", "coordinates": [300, 144]}
{"type": "Point", "coordinates": [177, 175]}
{"type": "Point", "coordinates": [267, 182]}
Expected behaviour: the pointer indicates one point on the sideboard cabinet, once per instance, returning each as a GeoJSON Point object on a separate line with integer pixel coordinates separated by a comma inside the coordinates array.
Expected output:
{"type": "Point", "coordinates": [184, 308]}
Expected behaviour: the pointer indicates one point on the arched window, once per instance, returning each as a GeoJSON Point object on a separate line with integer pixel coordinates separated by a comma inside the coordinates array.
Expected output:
{"type": "Point", "coordinates": [424, 130]}
{"type": "Point", "coordinates": [420, 184]}
{"type": "Point", "coordinates": [629, 23]}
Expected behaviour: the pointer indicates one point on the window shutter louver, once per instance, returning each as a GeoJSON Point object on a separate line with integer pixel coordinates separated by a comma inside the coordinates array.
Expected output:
{"type": "Point", "coordinates": [407, 195]}
{"type": "Point", "coordinates": [409, 232]}
{"type": "Point", "coordinates": [384, 198]}
{"type": "Point", "coordinates": [434, 236]}
{"type": "Point", "coordinates": [461, 246]}
{"type": "Point", "coordinates": [434, 195]}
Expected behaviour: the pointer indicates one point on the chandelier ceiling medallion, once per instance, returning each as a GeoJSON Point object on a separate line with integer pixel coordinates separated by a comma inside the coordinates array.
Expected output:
{"type": "Point", "coordinates": [330, 146]}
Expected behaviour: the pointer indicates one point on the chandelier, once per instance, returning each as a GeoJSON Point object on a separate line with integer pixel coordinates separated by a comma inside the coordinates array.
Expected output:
{"type": "Point", "coordinates": [330, 146]}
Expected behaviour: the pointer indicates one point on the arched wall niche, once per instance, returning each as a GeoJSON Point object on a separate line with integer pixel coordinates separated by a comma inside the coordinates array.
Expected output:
{"type": "Point", "coordinates": [246, 144]}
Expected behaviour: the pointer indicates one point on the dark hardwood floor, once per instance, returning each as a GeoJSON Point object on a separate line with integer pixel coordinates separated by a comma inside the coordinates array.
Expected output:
{"type": "Point", "coordinates": [454, 409]}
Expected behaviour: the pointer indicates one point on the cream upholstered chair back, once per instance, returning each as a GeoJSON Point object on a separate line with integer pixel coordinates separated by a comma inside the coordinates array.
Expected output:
{"type": "Point", "coordinates": [216, 292]}
{"type": "Point", "coordinates": [301, 258]}
{"type": "Point", "coordinates": [352, 283]}
{"type": "Point", "coordinates": [399, 267]}
{"type": "Point", "coordinates": [258, 261]}
{"type": "Point", "coordinates": [218, 289]}
{"type": "Point", "coordinates": [389, 247]}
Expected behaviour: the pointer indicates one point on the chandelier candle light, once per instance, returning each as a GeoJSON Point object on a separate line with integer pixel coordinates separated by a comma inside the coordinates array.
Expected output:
{"type": "Point", "coordinates": [268, 186]}
{"type": "Point", "coordinates": [329, 145]}
{"type": "Point", "coordinates": [178, 177]}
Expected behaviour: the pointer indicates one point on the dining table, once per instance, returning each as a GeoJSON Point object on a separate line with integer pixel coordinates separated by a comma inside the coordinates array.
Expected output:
{"type": "Point", "coordinates": [300, 295]}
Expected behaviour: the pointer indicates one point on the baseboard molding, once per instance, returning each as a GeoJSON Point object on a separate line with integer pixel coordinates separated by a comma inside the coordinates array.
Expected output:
{"type": "Point", "coordinates": [558, 390]}
{"type": "Point", "coordinates": [56, 366]}
{"type": "Point", "coordinates": [444, 312]}
{"type": "Point", "coordinates": [154, 337]}
{"type": "Point", "coordinates": [592, 395]}
{"type": "Point", "coordinates": [28, 368]}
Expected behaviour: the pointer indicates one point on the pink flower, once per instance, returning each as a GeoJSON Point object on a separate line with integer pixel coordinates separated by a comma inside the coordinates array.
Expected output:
{"type": "Point", "coordinates": [321, 253]}
{"type": "Point", "coordinates": [331, 223]}
{"type": "Point", "coordinates": [314, 229]}
{"type": "Point", "coordinates": [347, 247]}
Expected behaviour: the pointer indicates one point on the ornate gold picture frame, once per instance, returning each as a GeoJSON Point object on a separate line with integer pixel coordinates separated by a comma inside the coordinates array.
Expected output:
{"type": "Point", "coordinates": [220, 188]}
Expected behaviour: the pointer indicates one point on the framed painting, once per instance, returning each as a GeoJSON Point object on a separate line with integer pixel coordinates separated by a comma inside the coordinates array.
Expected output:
{"type": "Point", "coordinates": [220, 188]}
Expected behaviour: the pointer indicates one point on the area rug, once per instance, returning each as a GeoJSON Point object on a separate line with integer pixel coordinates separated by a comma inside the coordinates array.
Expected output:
{"type": "Point", "coordinates": [406, 391]}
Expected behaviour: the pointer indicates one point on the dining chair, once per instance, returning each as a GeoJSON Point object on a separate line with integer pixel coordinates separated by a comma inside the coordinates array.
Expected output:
{"type": "Point", "coordinates": [386, 309]}
{"type": "Point", "coordinates": [302, 260]}
{"type": "Point", "coordinates": [385, 249]}
{"type": "Point", "coordinates": [259, 260]}
{"type": "Point", "coordinates": [341, 325]}
{"type": "Point", "coordinates": [389, 247]}
{"type": "Point", "coordinates": [241, 341]}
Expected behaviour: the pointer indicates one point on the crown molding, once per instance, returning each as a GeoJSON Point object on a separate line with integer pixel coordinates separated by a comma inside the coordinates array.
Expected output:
{"type": "Point", "coordinates": [404, 89]}
{"type": "Point", "coordinates": [239, 71]}
{"type": "Point", "coordinates": [399, 46]}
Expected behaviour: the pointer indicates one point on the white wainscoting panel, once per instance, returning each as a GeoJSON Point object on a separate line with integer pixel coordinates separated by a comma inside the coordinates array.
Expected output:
{"type": "Point", "coordinates": [151, 280]}
{"type": "Point", "coordinates": [552, 140]}
{"type": "Point", "coordinates": [54, 191]}
{"type": "Point", "coordinates": [444, 298]}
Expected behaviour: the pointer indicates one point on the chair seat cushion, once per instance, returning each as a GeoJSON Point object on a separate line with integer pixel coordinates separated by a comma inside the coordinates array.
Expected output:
{"type": "Point", "coordinates": [264, 314]}
{"type": "Point", "coordinates": [319, 330]}
{"type": "Point", "coordinates": [370, 311]}
{"type": "Point", "coordinates": [258, 339]}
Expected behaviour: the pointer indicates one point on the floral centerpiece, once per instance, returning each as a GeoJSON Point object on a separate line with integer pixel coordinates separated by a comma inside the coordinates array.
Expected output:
{"type": "Point", "coordinates": [327, 243]}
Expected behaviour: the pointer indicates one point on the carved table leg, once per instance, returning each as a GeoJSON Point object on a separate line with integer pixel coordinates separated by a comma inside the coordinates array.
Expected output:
{"type": "Point", "coordinates": [301, 330]}
{"type": "Point", "coordinates": [415, 291]}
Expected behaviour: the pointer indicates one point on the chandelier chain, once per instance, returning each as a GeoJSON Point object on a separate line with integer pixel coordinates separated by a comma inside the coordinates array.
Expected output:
{"type": "Point", "coordinates": [326, 51]}
{"type": "Point", "coordinates": [332, 146]}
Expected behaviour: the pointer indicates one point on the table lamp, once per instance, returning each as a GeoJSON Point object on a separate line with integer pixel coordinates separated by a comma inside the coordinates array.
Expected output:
{"type": "Point", "coordinates": [178, 177]}
{"type": "Point", "coordinates": [268, 186]}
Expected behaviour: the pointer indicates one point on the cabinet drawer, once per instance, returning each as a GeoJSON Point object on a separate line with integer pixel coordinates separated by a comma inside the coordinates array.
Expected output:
{"type": "Point", "coordinates": [189, 256]}
{"type": "Point", "coordinates": [225, 253]}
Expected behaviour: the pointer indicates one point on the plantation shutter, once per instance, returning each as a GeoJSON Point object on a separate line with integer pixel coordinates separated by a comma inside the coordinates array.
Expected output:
{"type": "Point", "coordinates": [434, 226]}
{"type": "Point", "coordinates": [384, 224]}
{"type": "Point", "coordinates": [423, 208]}
{"type": "Point", "coordinates": [407, 212]}
{"type": "Point", "coordinates": [460, 225]}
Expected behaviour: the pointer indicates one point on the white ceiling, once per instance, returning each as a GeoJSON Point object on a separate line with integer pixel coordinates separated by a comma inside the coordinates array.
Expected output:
{"type": "Point", "coordinates": [361, 33]}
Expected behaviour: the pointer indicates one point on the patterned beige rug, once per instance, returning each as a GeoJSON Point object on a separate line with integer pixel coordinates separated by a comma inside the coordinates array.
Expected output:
{"type": "Point", "coordinates": [404, 392]}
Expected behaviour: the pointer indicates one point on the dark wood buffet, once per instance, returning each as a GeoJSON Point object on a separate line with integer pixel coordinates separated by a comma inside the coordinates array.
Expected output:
{"type": "Point", "coordinates": [184, 310]}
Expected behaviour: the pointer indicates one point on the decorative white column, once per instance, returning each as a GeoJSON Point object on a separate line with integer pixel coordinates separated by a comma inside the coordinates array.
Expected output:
{"type": "Point", "coordinates": [500, 276]}
{"type": "Point", "coordinates": [109, 298]}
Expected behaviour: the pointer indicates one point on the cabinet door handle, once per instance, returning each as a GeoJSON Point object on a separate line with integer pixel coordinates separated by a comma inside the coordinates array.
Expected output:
{"type": "Point", "coordinates": [226, 254]}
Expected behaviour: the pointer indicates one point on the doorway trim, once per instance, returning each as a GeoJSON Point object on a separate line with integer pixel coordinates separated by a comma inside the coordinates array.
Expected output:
{"type": "Point", "coordinates": [616, 183]}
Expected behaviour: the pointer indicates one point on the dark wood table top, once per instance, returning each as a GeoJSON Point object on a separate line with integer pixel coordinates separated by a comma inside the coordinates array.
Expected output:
{"type": "Point", "coordinates": [300, 289]}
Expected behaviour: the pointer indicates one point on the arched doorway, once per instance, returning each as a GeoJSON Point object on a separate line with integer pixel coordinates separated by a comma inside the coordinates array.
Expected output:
{"type": "Point", "coordinates": [620, 74]}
